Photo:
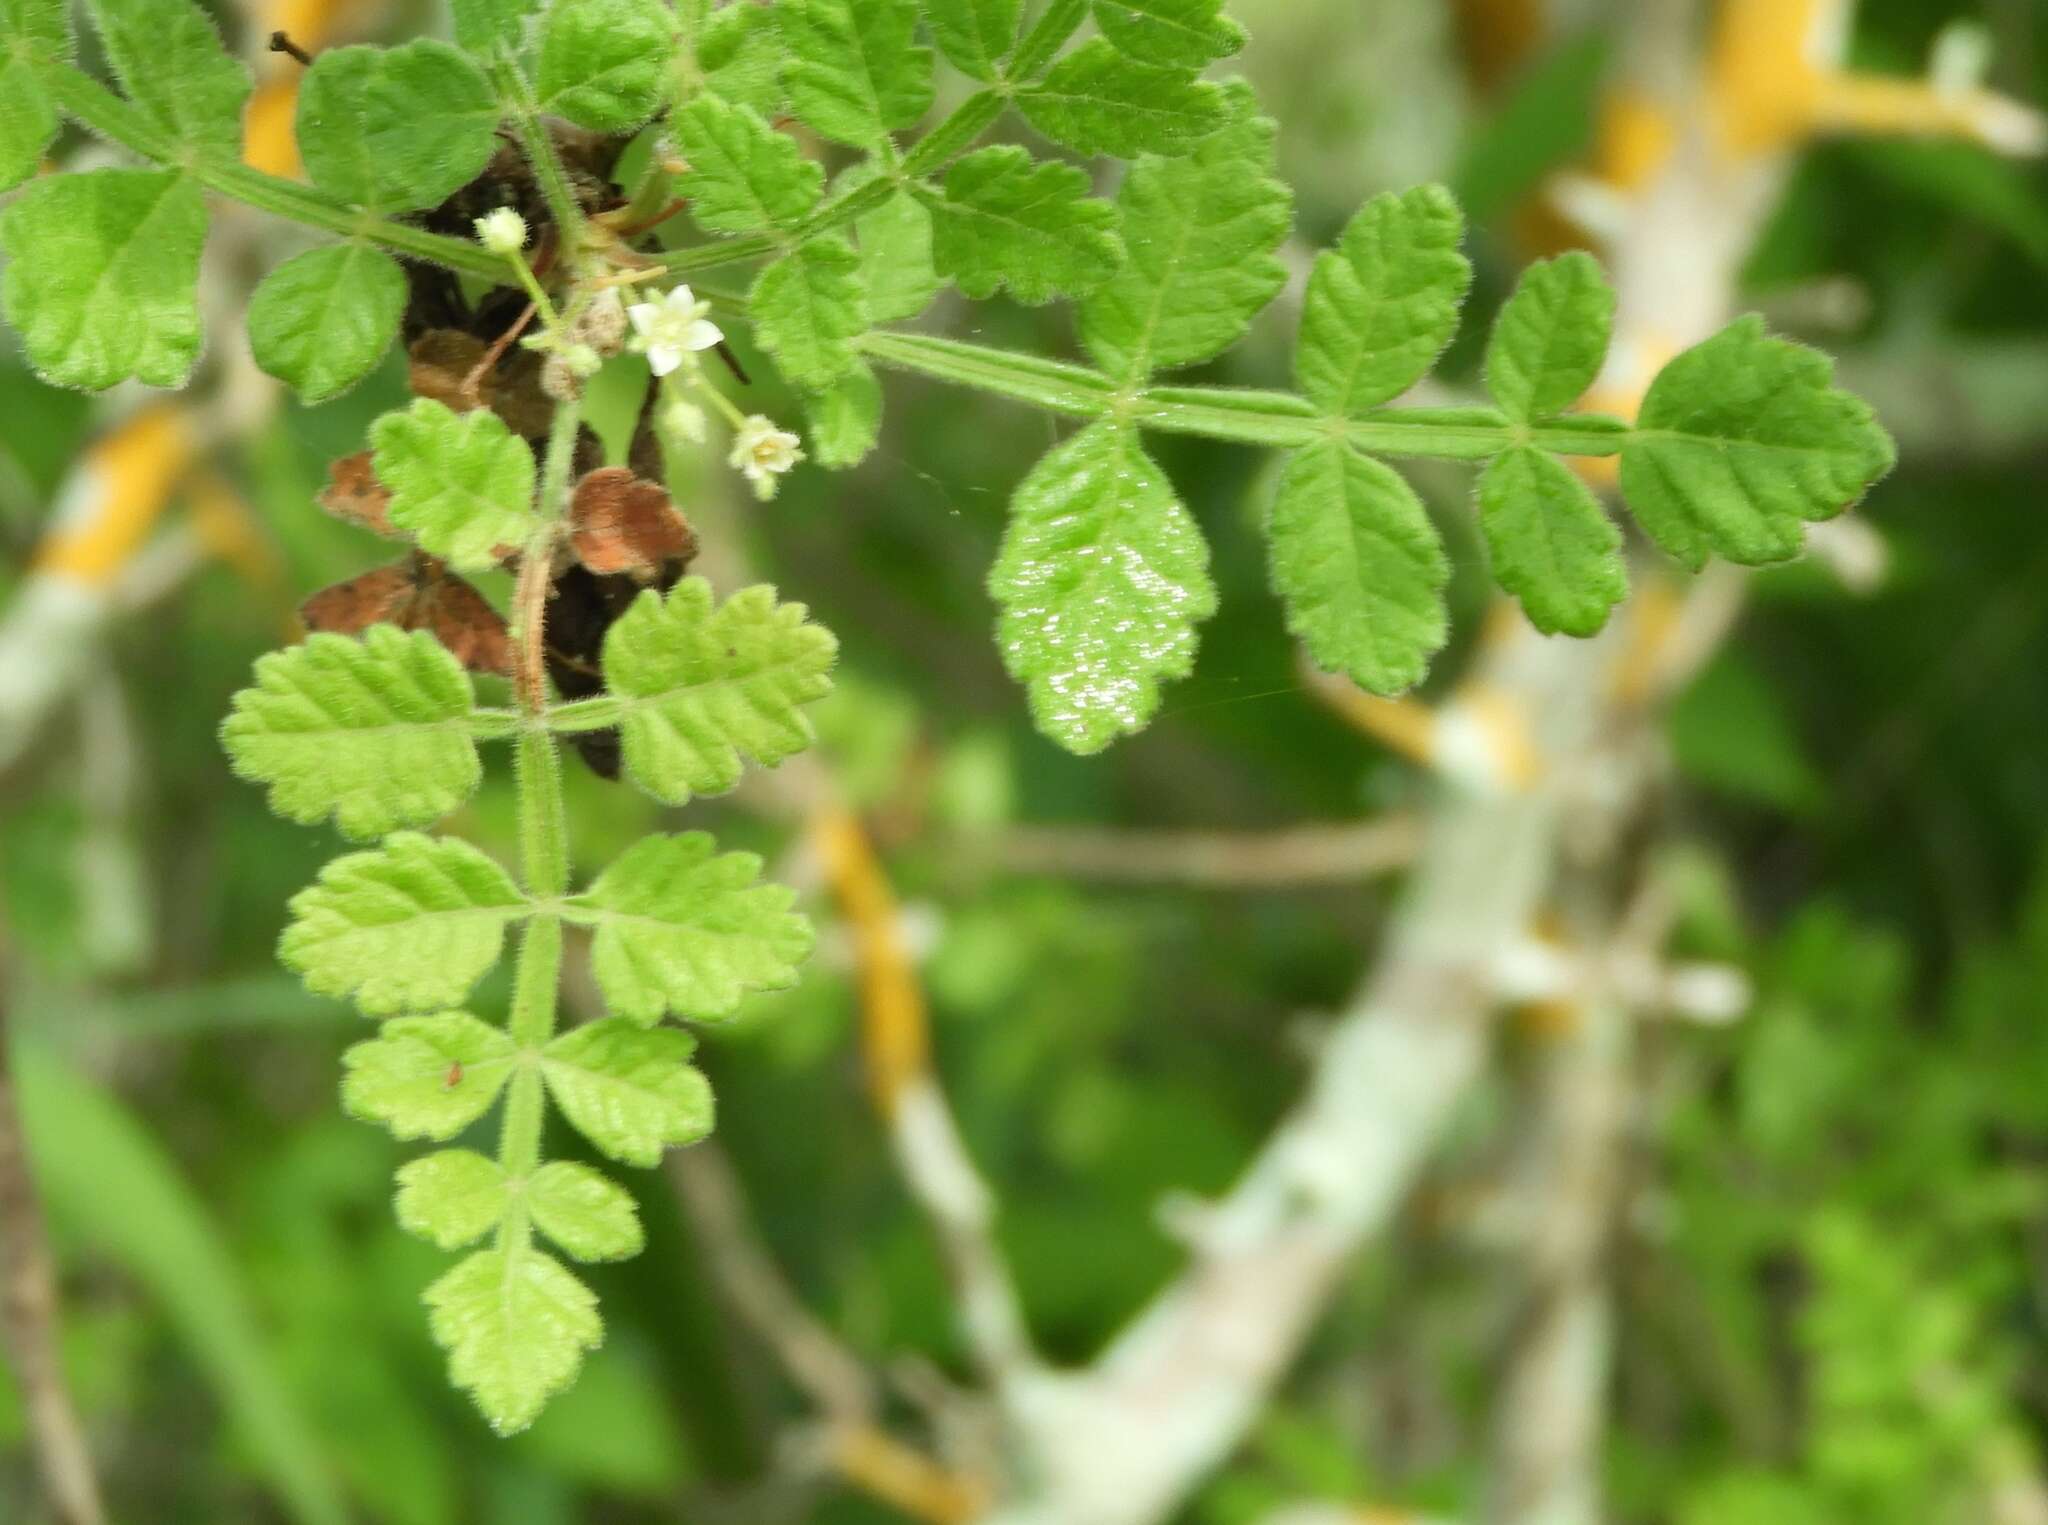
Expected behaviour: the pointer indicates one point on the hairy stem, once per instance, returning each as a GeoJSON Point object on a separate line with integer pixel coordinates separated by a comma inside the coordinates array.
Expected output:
{"type": "Point", "coordinates": [539, 149]}
{"type": "Point", "coordinates": [1044, 40]}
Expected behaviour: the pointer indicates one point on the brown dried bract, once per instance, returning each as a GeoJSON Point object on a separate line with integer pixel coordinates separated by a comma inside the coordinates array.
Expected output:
{"type": "Point", "coordinates": [355, 496]}
{"type": "Point", "coordinates": [622, 524]}
{"type": "Point", "coordinates": [418, 593]}
{"type": "Point", "coordinates": [442, 361]}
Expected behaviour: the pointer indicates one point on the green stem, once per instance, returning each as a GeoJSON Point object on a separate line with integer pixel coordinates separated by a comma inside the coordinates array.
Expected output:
{"type": "Point", "coordinates": [563, 206]}
{"type": "Point", "coordinates": [98, 108]}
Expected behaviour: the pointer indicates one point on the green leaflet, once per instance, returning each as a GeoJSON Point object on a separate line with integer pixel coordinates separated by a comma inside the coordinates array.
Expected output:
{"type": "Point", "coordinates": [630, 1090]}
{"type": "Point", "coordinates": [705, 686]}
{"type": "Point", "coordinates": [682, 928]}
{"type": "Point", "coordinates": [589, 1216]}
{"type": "Point", "coordinates": [30, 31]}
{"type": "Point", "coordinates": [976, 35]}
{"type": "Point", "coordinates": [410, 926]}
{"type": "Point", "coordinates": [1551, 338]}
{"type": "Point", "coordinates": [1360, 567]}
{"type": "Point", "coordinates": [1101, 580]}
{"type": "Point", "coordinates": [1742, 441]}
{"type": "Point", "coordinates": [896, 258]}
{"type": "Point", "coordinates": [427, 1077]}
{"type": "Point", "coordinates": [171, 62]}
{"type": "Point", "coordinates": [373, 732]}
{"type": "Point", "coordinates": [846, 420]}
{"type": "Point", "coordinates": [1201, 233]}
{"type": "Point", "coordinates": [451, 1198]}
{"type": "Point", "coordinates": [603, 62]}
{"type": "Point", "coordinates": [103, 276]}
{"type": "Point", "coordinates": [515, 1325]}
{"type": "Point", "coordinates": [808, 308]}
{"type": "Point", "coordinates": [744, 176]}
{"type": "Point", "coordinates": [323, 319]}
{"type": "Point", "coordinates": [1382, 306]}
{"type": "Point", "coordinates": [394, 129]}
{"type": "Point", "coordinates": [739, 53]}
{"type": "Point", "coordinates": [1175, 34]}
{"type": "Point", "coordinates": [852, 69]}
{"type": "Point", "coordinates": [1007, 221]}
{"type": "Point", "coordinates": [1097, 100]}
{"type": "Point", "coordinates": [462, 483]}
{"type": "Point", "coordinates": [486, 27]}
{"type": "Point", "coordinates": [1553, 545]}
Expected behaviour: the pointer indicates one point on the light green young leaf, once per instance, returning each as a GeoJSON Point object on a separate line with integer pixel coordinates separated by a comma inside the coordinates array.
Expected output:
{"type": "Point", "coordinates": [1005, 220]}
{"type": "Point", "coordinates": [853, 70]}
{"type": "Point", "coordinates": [1097, 100]}
{"type": "Point", "coordinates": [462, 483]}
{"type": "Point", "coordinates": [451, 1198]}
{"type": "Point", "coordinates": [602, 62]}
{"type": "Point", "coordinates": [427, 1077]}
{"type": "Point", "coordinates": [707, 686]}
{"type": "Point", "coordinates": [976, 35]}
{"type": "Point", "coordinates": [372, 732]}
{"type": "Point", "coordinates": [682, 928]}
{"type": "Point", "coordinates": [1742, 441]}
{"type": "Point", "coordinates": [487, 27]}
{"type": "Point", "coordinates": [1201, 231]}
{"type": "Point", "coordinates": [408, 927]}
{"type": "Point", "coordinates": [323, 319]}
{"type": "Point", "coordinates": [1101, 580]}
{"type": "Point", "coordinates": [515, 1325]}
{"type": "Point", "coordinates": [170, 60]}
{"type": "Point", "coordinates": [739, 54]}
{"type": "Point", "coordinates": [744, 176]}
{"type": "Point", "coordinates": [846, 420]}
{"type": "Point", "coordinates": [589, 1216]}
{"type": "Point", "coordinates": [896, 257]}
{"type": "Point", "coordinates": [1382, 306]}
{"type": "Point", "coordinates": [1552, 543]}
{"type": "Point", "coordinates": [1175, 34]}
{"type": "Point", "coordinates": [394, 129]}
{"type": "Point", "coordinates": [808, 308]}
{"type": "Point", "coordinates": [1551, 338]}
{"type": "Point", "coordinates": [102, 280]}
{"type": "Point", "coordinates": [31, 32]}
{"type": "Point", "coordinates": [630, 1090]}
{"type": "Point", "coordinates": [1360, 567]}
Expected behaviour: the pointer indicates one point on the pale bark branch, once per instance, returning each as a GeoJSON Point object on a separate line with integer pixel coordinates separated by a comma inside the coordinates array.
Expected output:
{"type": "Point", "coordinates": [1334, 853]}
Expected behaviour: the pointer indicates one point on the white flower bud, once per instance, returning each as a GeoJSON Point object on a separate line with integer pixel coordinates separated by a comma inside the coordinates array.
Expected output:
{"type": "Point", "coordinates": [502, 232]}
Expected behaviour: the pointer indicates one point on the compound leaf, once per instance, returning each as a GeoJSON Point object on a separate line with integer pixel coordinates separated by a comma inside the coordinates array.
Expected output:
{"type": "Point", "coordinates": [32, 32]}
{"type": "Point", "coordinates": [809, 307]}
{"type": "Point", "coordinates": [744, 176]}
{"type": "Point", "coordinates": [1741, 442]}
{"type": "Point", "coordinates": [170, 60]}
{"type": "Point", "coordinates": [451, 1198]}
{"type": "Point", "coordinates": [706, 686]}
{"type": "Point", "coordinates": [1201, 233]}
{"type": "Point", "coordinates": [322, 320]}
{"type": "Point", "coordinates": [602, 62]}
{"type": "Point", "coordinates": [853, 71]}
{"type": "Point", "coordinates": [683, 928]}
{"type": "Point", "coordinates": [408, 927]}
{"type": "Point", "coordinates": [515, 1325]}
{"type": "Point", "coordinates": [1382, 306]}
{"type": "Point", "coordinates": [1175, 34]}
{"type": "Point", "coordinates": [462, 483]}
{"type": "Point", "coordinates": [394, 129]}
{"type": "Point", "coordinates": [630, 1090]}
{"type": "Point", "coordinates": [102, 279]}
{"type": "Point", "coordinates": [1360, 567]}
{"type": "Point", "coordinates": [1006, 220]}
{"type": "Point", "coordinates": [1101, 580]}
{"type": "Point", "coordinates": [1553, 545]}
{"type": "Point", "coordinates": [976, 35]}
{"type": "Point", "coordinates": [588, 1215]}
{"type": "Point", "coordinates": [1098, 100]}
{"type": "Point", "coordinates": [373, 732]}
{"type": "Point", "coordinates": [427, 1077]}
{"type": "Point", "coordinates": [1551, 338]}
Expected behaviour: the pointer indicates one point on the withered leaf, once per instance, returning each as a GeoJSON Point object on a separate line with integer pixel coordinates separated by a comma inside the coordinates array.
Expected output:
{"type": "Point", "coordinates": [355, 496]}
{"type": "Point", "coordinates": [620, 524]}
{"type": "Point", "coordinates": [441, 361]}
{"type": "Point", "coordinates": [418, 593]}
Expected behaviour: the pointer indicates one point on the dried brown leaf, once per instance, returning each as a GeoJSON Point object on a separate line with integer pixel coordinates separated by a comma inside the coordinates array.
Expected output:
{"type": "Point", "coordinates": [622, 524]}
{"type": "Point", "coordinates": [418, 593]}
{"type": "Point", "coordinates": [442, 361]}
{"type": "Point", "coordinates": [355, 496]}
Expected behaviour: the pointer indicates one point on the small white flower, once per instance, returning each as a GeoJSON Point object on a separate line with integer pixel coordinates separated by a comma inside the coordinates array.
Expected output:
{"type": "Point", "coordinates": [764, 452]}
{"type": "Point", "coordinates": [684, 421]}
{"type": "Point", "coordinates": [672, 328]}
{"type": "Point", "coordinates": [502, 232]}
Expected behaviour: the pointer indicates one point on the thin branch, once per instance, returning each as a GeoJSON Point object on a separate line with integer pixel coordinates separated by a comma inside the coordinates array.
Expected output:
{"type": "Point", "coordinates": [1340, 853]}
